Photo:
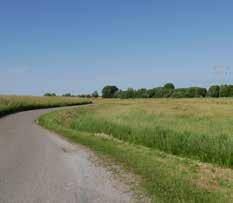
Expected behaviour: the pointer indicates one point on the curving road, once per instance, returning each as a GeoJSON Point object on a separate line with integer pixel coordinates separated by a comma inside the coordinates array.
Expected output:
{"type": "Point", "coordinates": [38, 166]}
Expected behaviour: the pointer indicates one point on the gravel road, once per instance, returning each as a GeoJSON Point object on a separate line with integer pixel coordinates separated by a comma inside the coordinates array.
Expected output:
{"type": "Point", "coordinates": [39, 166]}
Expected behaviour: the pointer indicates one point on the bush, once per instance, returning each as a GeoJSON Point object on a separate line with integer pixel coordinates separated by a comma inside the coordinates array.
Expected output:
{"type": "Point", "coordinates": [109, 91]}
{"type": "Point", "coordinates": [213, 91]}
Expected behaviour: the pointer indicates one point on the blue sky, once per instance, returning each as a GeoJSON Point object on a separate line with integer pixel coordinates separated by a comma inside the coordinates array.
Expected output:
{"type": "Point", "coordinates": [79, 46]}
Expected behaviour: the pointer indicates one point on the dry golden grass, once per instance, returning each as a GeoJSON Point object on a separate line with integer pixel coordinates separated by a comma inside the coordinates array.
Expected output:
{"type": "Point", "coordinates": [11, 104]}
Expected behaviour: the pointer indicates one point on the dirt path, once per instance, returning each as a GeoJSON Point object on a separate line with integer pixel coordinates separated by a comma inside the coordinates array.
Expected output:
{"type": "Point", "coordinates": [38, 166]}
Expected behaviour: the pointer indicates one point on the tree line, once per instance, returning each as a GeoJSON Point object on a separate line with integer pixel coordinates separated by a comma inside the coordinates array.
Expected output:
{"type": "Point", "coordinates": [94, 94]}
{"type": "Point", "coordinates": [168, 91]}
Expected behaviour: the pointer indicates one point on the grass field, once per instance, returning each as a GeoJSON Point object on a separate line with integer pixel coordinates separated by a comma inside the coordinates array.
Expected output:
{"type": "Point", "coordinates": [12, 104]}
{"type": "Point", "coordinates": [182, 147]}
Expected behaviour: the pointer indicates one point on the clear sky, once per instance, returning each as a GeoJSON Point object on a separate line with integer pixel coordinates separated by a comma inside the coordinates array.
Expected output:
{"type": "Point", "coordinates": [79, 46]}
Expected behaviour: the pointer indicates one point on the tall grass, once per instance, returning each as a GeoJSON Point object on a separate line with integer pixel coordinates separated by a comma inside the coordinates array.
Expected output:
{"type": "Point", "coordinates": [166, 177]}
{"type": "Point", "coordinates": [199, 131]}
{"type": "Point", "coordinates": [12, 104]}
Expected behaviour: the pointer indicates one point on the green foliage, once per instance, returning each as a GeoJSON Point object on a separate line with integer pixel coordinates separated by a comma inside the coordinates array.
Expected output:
{"type": "Point", "coordinates": [226, 91]}
{"type": "Point", "coordinates": [49, 94]}
{"type": "Point", "coordinates": [109, 91]}
{"type": "Point", "coordinates": [141, 93]}
{"type": "Point", "coordinates": [84, 95]}
{"type": "Point", "coordinates": [213, 91]}
{"type": "Point", "coordinates": [169, 86]}
{"type": "Point", "coordinates": [67, 95]}
{"type": "Point", "coordinates": [95, 94]}
{"type": "Point", "coordinates": [192, 92]}
{"type": "Point", "coordinates": [157, 92]}
{"type": "Point", "coordinates": [168, 90]}
{"type": "Point", "coordinates": [143, 133]}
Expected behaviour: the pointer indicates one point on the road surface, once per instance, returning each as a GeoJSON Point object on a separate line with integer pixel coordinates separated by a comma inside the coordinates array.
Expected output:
{"type": "Point", "coordinates": [39, 166]}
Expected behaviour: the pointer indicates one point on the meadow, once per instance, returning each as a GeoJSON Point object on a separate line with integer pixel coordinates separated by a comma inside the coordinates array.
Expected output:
{"type": "Point", "coordinates": [12, 104]}
{"type": "Point", "coordinates": [183, 148]}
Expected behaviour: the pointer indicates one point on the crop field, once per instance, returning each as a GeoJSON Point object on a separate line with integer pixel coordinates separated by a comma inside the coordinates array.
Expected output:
{"type": "Point", "coordinates": [11, 104]}
{"type": "Point", "coordinates": [183, 148]}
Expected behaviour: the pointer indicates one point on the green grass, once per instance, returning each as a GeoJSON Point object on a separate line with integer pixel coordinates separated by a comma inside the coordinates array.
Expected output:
{"type": "Point", "coordinates": [201, 130]}
{"type": "Point", "coordinates": [12, 104]}
{"type": "Point", "coordinates": [161, 140]}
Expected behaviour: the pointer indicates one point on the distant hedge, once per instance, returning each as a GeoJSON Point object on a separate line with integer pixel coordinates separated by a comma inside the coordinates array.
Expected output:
{"type": "Point", "coordinates": [169, 91]}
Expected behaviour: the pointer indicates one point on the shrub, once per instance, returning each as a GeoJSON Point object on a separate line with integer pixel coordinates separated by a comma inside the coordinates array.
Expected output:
{"type": "Point", "coordinates": [213, 91]}
{"type": "Point", "coordinates": [109, 91]}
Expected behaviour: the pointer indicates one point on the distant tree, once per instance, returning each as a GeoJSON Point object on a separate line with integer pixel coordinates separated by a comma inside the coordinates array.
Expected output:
{"type": "Point", "coordinates": [109, 91]}
{"type": "Point", "coordinates": [130, 93]}
{"type": "Point", "coordinates": [141, 93]}
{"type": "Point", "coordinates": [226, 91]}
{"type": "Point", "coordinates": [67, 95]}
{"type": "Point", "coordinates": [95, 94]}
{"type": "Point", "coordinates": [189, 92]}
{"type": "Point", "coordinates": [213, 91]}
{"type": "Point", "coordinates": [85, 95]}
{"type": "Point", "coordinates": [169, 86]}
{"type": "Point", "coordinates": [157, 92]}
{"type": "Point", "coordinates": [49, 94]}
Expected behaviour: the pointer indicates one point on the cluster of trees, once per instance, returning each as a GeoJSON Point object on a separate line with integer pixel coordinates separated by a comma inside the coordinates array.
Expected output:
{"type": "Point", "coordinates": [48, 94]}
{"type": "Point", "coordinates": [168, 90]}
{"type": "Point", "coordinates": [94, 94]}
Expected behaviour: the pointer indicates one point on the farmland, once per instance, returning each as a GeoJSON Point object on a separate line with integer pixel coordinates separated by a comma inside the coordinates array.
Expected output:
{"type": "Point", "coordinates": [181, 147]}
{"type": "Point", "coordinates": [12, 104]}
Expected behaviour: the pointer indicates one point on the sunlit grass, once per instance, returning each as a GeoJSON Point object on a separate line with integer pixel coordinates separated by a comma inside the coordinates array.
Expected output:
{"type": "Point", "coordinates": [11, 104]}
{"type": "Point", "coordinates": [199, 129]}
{"type": "Point", "coordinates": [162, 140]}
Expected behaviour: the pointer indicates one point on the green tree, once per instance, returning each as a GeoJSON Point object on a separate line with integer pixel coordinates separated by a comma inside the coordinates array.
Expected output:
{"type": "Point", "coordinates": [169, 86]}
{"type": "Point", "coordinates": [95, 94]}
{"type": "Point", "coordinates": [213, 91]}
{"type": "Point", "coordinates": [49, 94]}
{"type": "Point", "coordinates": [226, 91]}
{"type": "Point", "coordinates": [67, 95]}
{"type": "Point", "coordinates": [109, 91]}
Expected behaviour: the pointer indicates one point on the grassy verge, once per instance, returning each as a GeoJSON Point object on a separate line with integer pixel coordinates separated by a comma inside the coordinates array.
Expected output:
{"type": "Point", "coordinates": [166, 177]}
{"type": "Point", "coordinates": [196, 129]}
{"type": "Point", "coordinates": [13, 104]}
